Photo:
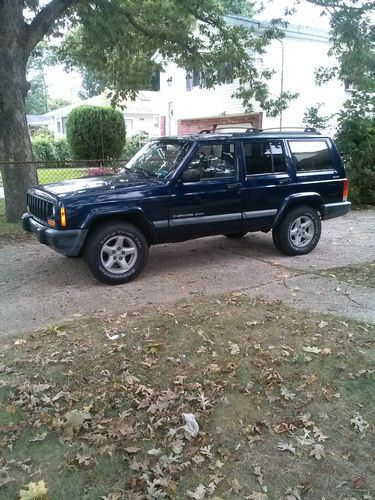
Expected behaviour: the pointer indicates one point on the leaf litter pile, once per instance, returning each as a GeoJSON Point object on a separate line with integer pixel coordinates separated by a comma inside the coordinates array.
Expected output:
{"type": "Point", "coordinates": [225, 398]}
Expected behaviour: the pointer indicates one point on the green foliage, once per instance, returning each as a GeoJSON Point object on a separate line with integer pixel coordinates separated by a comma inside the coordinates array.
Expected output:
{"type": "Point", "coordinates": [36, 100]}
{"type": "Point", "coordinates": [134, 144]}
{"type": "Point", "coordinates": [47, 148]}
{"type": "Point", "coordinates": [313, 118]}
{"type": "Point", "coordinates": [356, 142]}
{"type": "Point", "coordinates": [352, 42]}
{"type": "Point", "coordinates": [115, 42]}
{"type": "Point", "coordinates": [95, 132]}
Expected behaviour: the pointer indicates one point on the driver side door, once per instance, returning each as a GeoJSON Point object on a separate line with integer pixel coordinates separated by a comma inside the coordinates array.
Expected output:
{"type": "Point", "coordinates": [212, 204]}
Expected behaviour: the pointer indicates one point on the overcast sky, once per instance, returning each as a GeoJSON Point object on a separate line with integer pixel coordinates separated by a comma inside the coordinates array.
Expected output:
{"type": "Point", "coordinates": [66, 85]}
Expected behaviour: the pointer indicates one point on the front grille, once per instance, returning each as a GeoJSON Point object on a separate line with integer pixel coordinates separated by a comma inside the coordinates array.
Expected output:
{"type": "Point", "coordinates": [39, 208]}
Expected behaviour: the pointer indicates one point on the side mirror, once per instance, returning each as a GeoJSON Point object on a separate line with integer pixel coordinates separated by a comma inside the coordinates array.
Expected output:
{"type": "Point", "coordinates": [191, 175]}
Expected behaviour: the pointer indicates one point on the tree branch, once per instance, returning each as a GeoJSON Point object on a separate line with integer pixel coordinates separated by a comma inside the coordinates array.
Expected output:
{"type": "Point", "coordinates": [44, 20]}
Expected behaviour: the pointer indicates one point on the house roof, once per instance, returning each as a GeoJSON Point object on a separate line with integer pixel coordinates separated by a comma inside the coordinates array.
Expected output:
{"type": "Point", "coordinates": [291, 31]}
{"type": "Point", "coordinates": [146, 103]}
{"type": "Point", "coordinates": [38, 120]}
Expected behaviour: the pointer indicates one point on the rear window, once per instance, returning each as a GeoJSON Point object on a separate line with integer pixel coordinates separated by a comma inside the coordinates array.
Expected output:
{"type": "Point", "coordinates": [311, 155]}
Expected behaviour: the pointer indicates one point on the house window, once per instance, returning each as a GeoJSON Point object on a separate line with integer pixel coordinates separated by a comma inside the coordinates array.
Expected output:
{"type": "Point", "coordinates": [58, 126]}
{"type": "Point", "coordinates": [156, 121]}
{"type": "Point", "coordinates": [310, 155]}
{"type": "Point", "coordinates": [225, 73]}
{"type": "Point", "coordinates": [129, 123]}
{"type": "Point", "coordinates": [264, 157]}
{"type": "Point", "coordinates": [189, 80]}
{"type": "Point", "coordinates": [63, 124]}
{"type": "Point", "coordinates": [349, 86]}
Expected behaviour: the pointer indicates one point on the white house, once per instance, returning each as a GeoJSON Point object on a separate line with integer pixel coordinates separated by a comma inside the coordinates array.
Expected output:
{"type": "Point", "coordinates": [189, 108]}
{"type": "Point", "coordinates": [140, 115]}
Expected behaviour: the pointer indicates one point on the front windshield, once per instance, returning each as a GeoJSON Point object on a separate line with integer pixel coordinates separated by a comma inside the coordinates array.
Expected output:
{"type": "Point", "coordinates": [158, 158]}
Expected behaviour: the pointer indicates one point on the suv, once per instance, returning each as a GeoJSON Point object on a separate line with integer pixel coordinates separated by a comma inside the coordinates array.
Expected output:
{"type": "Point", "coordinates": [180, 188]}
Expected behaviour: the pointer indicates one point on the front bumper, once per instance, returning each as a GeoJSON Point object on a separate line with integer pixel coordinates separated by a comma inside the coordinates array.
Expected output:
{"type": "Point", "coordinates": [69, 242]}
{"type": "Point", "coordinates": [331, 210]}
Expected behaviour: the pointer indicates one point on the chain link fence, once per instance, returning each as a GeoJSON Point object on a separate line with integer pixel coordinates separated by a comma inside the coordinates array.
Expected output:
{"type": "Point", "coordinates": [55, 171]}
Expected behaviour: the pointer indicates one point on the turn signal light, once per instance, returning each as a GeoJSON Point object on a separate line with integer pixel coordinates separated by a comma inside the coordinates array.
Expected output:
{"type": "Point", "coordinates": [62, 217]}
{"type": "Point", "coordinates": [345, 191]}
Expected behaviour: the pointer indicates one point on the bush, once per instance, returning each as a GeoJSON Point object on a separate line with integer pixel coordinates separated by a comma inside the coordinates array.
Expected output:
{"type": "Point", "coordinates": [356, 142]}
{"type": "Point", "coordinates": [95, 132]}
{"type": "Point", "coordinates": [134, 144]}
{"type": "Point", "coordinates": [47, 148]}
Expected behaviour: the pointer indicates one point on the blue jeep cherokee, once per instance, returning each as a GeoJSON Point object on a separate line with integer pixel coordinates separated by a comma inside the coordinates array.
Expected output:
{"type": "Point", "coordinates": [180, 188]}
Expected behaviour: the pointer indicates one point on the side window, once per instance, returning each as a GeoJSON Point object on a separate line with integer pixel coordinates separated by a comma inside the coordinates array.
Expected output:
{"type": "Point", "coordinates": [310, 155]}
{"type": "Point", "coordinates": [215, 161]}
{"type": "Point", "coordinates": [264, 157]}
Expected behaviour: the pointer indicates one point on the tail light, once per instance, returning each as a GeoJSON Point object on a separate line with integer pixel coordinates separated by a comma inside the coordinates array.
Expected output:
{"type": "Point", "coordinates": [345, 190]}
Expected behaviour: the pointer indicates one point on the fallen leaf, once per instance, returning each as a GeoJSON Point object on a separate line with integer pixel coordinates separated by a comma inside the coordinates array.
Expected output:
{"type": "Point", "coordinates": [286, 447]}
{"type": "Point", "coordinates": [359, 423]}
{"type": "Point", "coordinates": [318, 452]}
{"type": "Point", "coordinates": [34, 491]}
{"type": "Point", "coordinates": [287, 395]}
{"type": "Point", "coordinates": [235, 486]}
{"type": "Point", "coordinates": [312, 350]}
{"type": "Point", "coordinates": [131, 450]}
{"type": "Point", "coordinates": [198, 494]}
{"type": "Point", "coordinates": [257, 496]}
{"type": "Point", "coordinates": [39, 437]}
{"type": "Point", "coordinates": [155, 452]}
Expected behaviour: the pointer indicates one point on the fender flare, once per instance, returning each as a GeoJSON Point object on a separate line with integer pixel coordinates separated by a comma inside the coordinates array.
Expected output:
{"type": "Point", "coordinates": [134, 215]}
{"type": "Point", "coordinates": [312, 198]}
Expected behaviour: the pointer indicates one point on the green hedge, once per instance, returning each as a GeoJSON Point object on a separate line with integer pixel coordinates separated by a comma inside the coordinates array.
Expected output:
{"type": "Point", "coordinates": [95, 132]}
{"type": "Point", "coordinates": [47, 148]}
{"type": "Point", "coordinates": [356, 143]}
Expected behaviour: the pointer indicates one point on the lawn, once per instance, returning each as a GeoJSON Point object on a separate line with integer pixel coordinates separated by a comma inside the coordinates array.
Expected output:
{"type": "Point", "coordinates": [363, 274]}
{"type": "Point", "coordinates": [49, 175]}
{"type": "Point", "coordinates": [284, 400]}
{"type": "Point", "coordinates": [10, 231]}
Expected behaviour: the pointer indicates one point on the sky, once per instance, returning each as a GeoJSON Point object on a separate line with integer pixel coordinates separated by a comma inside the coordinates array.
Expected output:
{"type": "Point", "coordinates": [66, 85]}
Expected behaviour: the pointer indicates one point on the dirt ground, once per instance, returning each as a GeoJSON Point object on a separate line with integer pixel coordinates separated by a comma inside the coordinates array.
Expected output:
{"type": "Point", "coordinates": [39, 287]}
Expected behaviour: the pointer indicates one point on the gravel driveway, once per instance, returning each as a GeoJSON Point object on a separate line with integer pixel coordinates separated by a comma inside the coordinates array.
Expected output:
{"type": "Point", "coordinates": [39, 287]}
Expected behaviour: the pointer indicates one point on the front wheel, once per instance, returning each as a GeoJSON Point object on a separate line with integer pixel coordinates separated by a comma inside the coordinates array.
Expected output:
{"type": "Point", "coordinates": [299, 232]}
{"type": "Point", "coordinates": [116, 253]}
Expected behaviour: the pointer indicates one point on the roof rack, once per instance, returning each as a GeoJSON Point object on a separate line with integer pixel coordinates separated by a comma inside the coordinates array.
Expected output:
{"type": "Point", "coordinates": [306, 130]}
{"type": "Point", "coordinates": [253, 130]}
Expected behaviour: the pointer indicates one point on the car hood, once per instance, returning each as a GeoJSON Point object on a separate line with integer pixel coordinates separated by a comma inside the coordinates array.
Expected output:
{"type": "Point", "coordinates": [76, 187]}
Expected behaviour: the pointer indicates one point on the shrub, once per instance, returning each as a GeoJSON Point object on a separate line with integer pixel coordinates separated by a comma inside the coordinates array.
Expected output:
{"type": "Point", "coordinates": [95, 132]}
{"type": "Point", "coordinates": [47, 148]}
{"type": "Point", "coordinates": [356, 142]}
{"type": "Point", "coordinates": [134, 144]}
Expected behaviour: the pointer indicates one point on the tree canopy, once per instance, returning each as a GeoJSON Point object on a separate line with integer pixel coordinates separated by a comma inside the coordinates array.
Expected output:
{"type": "Point", "coordinates": [114, 41]}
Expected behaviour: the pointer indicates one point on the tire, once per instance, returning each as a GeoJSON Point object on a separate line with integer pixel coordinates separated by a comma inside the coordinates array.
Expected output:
{"type": "Point", "coordinates": [121, 245]}
{"type": "Point", "coordinates": [235, 235]}
{"type": "Point", "coordinates": [299, 231]}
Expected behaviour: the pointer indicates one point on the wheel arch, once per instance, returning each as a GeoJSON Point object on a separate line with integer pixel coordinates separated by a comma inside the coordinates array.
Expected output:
{"type": "Point", "coordinates": [313, 200]}
{"type": "Point", "coordinates": [138, 219]}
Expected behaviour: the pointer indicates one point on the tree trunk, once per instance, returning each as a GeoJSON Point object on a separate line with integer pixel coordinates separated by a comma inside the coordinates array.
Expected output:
{"type": "Point", "coordinates": [15, 144]}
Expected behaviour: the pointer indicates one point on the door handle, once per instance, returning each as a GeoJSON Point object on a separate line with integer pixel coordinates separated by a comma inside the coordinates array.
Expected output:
{"type": "Point", "coordinates": [235, 185]}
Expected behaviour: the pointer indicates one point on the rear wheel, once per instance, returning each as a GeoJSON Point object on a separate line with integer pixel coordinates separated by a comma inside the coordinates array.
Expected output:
{"type": "Point", "coordinates": [235, 235]}
{"type": "Point", "coordinates": [116, 253]}
{"type": "Point", "coordinates": [299, 232]}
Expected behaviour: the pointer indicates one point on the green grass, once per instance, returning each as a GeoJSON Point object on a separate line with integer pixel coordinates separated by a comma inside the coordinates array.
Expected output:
{"type": "Point", "coordinates": [9, 231]}
{"type": "Point", "coordinates": [227, 360]}
{"type": "Point", "coordinates": [13, 231]}
{"type": "Point", "coordinates": [49, 175]}
{"type": "Point", "coordinates": [362, 274]}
